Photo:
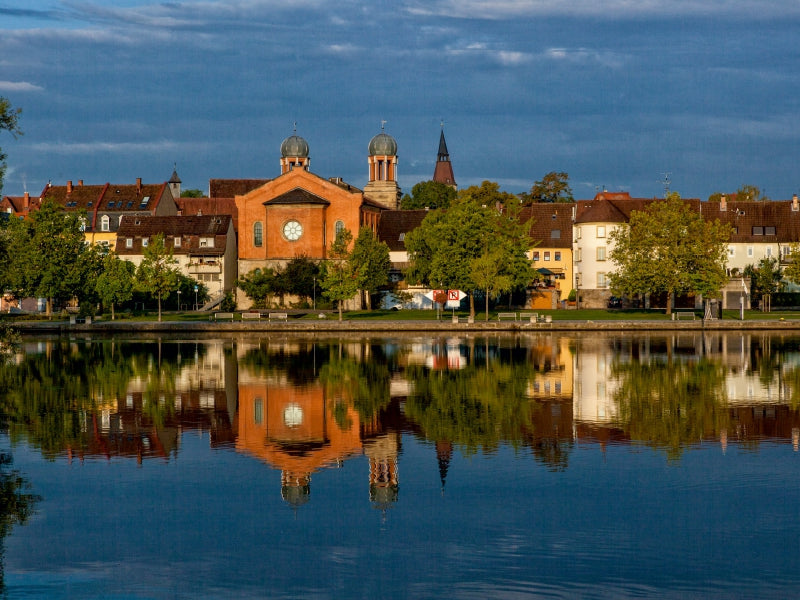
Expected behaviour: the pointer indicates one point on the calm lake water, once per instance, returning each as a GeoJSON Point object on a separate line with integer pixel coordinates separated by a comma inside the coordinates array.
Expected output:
{"type": "Point", "coordinates": [530, 466]}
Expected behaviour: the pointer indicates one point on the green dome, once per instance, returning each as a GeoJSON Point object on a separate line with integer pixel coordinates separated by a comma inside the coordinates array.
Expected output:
{"type": "Point", "coordinates": [294, 147]}
{"type": "Point", "coordinates": [382, 145]}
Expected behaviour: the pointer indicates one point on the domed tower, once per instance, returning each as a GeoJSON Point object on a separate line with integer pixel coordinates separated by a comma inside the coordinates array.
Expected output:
{"type": "Point", "coordinates": [382, 186]}
{"type": "Point", "coordinates": [294, 153]}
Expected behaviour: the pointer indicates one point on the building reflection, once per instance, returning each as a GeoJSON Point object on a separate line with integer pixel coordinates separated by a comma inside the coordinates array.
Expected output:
{"type": "Point", "coordinates": [301, 405]}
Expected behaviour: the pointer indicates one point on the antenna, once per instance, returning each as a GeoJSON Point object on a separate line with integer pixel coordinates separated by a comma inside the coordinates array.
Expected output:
{"type": "Point", "coordinates": [383, 123]}
{"type": "Point", "coordinates": [666, 181]}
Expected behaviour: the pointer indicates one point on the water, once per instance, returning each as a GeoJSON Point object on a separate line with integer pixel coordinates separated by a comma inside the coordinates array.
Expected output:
{"type": "Point", "coordinates": [540, 466]}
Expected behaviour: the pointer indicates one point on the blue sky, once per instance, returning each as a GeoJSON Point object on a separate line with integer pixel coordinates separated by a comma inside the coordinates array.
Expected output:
{"type": "Point", "coordinates": [616, 93]}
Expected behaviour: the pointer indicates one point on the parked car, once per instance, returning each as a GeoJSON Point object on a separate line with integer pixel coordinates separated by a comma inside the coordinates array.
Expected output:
{"type": "Point", "coordinates": [614, 302]}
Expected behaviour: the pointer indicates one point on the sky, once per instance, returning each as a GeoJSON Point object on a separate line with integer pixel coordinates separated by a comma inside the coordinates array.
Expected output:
{"type": "Point", "coordinates": [697, 95]}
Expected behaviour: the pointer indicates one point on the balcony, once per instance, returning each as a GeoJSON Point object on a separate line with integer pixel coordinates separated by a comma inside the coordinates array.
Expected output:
{"type": "Point", "coordinates": [208, 266]}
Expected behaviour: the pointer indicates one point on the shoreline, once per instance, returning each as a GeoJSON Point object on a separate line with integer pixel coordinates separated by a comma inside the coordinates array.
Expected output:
{"type": "Point", "coordinates": [391, 326]}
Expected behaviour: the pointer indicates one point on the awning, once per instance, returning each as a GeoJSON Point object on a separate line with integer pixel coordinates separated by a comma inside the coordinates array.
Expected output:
{"type": "Point", "coordinates": [545, 271]}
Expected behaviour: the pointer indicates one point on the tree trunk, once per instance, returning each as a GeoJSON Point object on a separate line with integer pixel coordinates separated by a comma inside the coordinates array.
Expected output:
{"type": "Point", "coordinates": [112, 311]}
{"type": "Point", "coordinates": [472, 305]}
{"type": "Point", "coordinates": [48, 308]}
{"type": "Point", "coordinates": [159, 307]}
{"type": "Point", "coordinates": [487, 304]}
{"type": "Point", "coordinates": [340, 309]}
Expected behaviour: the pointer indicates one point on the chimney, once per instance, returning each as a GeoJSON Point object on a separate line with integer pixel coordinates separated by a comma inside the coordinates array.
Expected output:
{"type": "Point", "coordinates": [69, 186]}
{"type": "Point", "coordinates": [80, 182]}
{"type": "Point", "coordinates": [795, 205]}
{"type": "Point", "coordinates": [26, 202]}
{"type": "Point", "coordinates": [138, 185]}
{"type": "Point", "coordinates": [723, 203]}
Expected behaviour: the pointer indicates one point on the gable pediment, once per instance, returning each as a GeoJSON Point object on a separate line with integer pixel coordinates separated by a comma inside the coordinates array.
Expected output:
{"type": "Point", "coordinates": [297, 196]}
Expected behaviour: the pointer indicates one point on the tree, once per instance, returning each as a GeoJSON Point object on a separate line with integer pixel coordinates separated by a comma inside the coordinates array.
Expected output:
{"type": "Point", "coordinates": [370, 259]}
{"type": "Point", "coordinates": [428, 194]}
{"type": "Point", "coordinates": [554, 187]}
{"type": "Point", "coordinates": [258, 285]}
{"type": "Point", "coordinates": [49, 257]}
{"type": "Point", "coordinates": [487, 274]}
{"type": "Point", "coordinates": [192, 193]}
{"type": "Point", "coordinates": [158, 273]}
{"type": "Point", "coordinates": [9, 117]}
{"type": "Point", "coordinates": [669, 248]}
{"type": "Point", "coordinates": [792, 270]}
{"type": "Point", "coordinates": [746, 193]}
{"type": "Point", "coordinates": [340, 282]}
{"type": "Point", "coordinates": [299, 277]}
{"type": "Point", "coordinates": [765, 279]}
{"type": "Point", "coordinates": [442, 250]}
{"type": "Point", "coordinates": [115, 284]}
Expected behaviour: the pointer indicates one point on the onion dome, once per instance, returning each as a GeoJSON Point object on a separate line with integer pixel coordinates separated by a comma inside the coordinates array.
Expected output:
{"type": "Point", "coordinates": [383, 145]}
{"type": "Point", "coordinates": [294, 147]}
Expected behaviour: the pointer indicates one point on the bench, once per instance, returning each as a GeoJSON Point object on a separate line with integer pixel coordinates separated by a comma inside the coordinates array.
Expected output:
{"type": "Point", "coordinates": [533, 317]}
{"type": "Point", "coordinates": [278, 316]}
{"type": "Point", "coordinates": [683, 314]}
{"type": "Point", "coordinates": [223, 316]}
{"type": "Point", "coordinates": [506, 315]}
{"type": "Point", "coordinates": [246, 316]}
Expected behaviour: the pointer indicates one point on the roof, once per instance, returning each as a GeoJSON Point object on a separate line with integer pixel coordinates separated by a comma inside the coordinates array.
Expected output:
{"type": "Point", "coordinates": [297, 196]}
{"type": "Point", "coordinates": [550, 223]}
{"type": "Point", "coordinates": [394, 224]}
{"type": "Point", "coordinates": [617, 207]}
{"type": "Point", "coordinates": [188, 229]}
{"type": "Point", "coordinates": [190, 207]}
{"type": "Point", "coordinates": [121, 198]}
{"type": "Point", "coordinates": [86, 197]}
{"type": "Point", "coordinates": [228, 188]}
{"type": "Point", "coordinates": [744, 216]}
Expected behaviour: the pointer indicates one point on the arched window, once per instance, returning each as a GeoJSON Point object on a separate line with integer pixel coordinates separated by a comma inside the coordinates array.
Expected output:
{"type": "Point", "coordinates": [258, 234]}
{"type": "Point", "coordinates": [104, 223]}
{"type": "Point", "coordinates": [338, 227]}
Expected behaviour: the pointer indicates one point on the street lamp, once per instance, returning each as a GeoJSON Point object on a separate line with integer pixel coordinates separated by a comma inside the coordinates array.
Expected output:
{"type": "Point", "coordinates": [314, 292]}
{"type": "Point", "coordinates": [195, 297]}
{"type": "Point", "coordinates": [179, 300]}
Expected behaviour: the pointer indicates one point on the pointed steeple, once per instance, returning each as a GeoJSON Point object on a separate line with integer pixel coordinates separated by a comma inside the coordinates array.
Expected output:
{"type": "Point", "coordinates": [443, 173]}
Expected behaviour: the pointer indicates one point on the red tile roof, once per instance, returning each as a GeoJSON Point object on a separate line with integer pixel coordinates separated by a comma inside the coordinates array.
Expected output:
{"type": "Point", "coordinates": [189, 229]}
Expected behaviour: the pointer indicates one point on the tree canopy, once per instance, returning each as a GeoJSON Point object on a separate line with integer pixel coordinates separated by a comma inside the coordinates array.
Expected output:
{"type": "Point", "coordinates": [483, 220]}
{"type": "Point", "coordinates": [9, 121]}
{"type": "Point", "coordinates": [370, 258]}
{"type": "Point", "coordinates": [669, 248]}
{"type": "Point", "coordinates": [340, 282]}
{"type": "Point", "coordinates": [158, 273]}
{"type": "Point", "coordinates": [553, 187]}
{"type": "Point", "coordinates": [428, 194]}
{"type": "Point", "coordinates": [48, 256]}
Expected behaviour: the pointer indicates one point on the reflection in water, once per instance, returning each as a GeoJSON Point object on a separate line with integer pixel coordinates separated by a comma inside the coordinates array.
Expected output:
{"type": "Point", "coordinates": [303, 404]}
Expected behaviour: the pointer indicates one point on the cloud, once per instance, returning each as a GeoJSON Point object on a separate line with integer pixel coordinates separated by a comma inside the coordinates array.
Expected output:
{"type": "Point", "coordinates": [607, 9]}
{"type": "Point", "coordinates": [579, 56]}
{"type": "Point", "coordinates": [19, 86]}
{"type": "Point", "coordinates": [70, 148]}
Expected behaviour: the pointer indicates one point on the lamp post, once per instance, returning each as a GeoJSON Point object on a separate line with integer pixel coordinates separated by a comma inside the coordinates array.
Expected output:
{"type": "Point", "coordinates": [195, 297]}
{"type": "Point", "coordinates": [314, 292]}
{"type": "Point", "coordinates": [179, 300]}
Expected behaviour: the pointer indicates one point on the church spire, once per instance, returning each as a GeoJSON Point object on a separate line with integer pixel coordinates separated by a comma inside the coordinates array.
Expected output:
{"type": "Point", "coordinates": [443, 173]}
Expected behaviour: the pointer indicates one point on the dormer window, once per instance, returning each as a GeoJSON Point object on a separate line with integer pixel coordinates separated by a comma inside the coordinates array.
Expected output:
{"type": "Point", "coordinates": [104, 223]}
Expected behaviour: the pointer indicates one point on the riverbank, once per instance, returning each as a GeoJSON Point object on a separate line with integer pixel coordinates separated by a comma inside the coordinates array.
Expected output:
{"type": "Point", "coordinates": [393, 326]}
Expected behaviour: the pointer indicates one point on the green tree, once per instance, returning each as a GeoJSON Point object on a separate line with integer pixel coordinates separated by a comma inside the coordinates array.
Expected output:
{"type": "Point", "coordinates": [553, 187]}
{"type": "Point", "coordinates": [299, 277]}
{"type": "Point", "coordinates": [49, 256]}
{"type": "Point", "coordinates": [115, 284]}
{"type": "Point", "coordinates": [192, 193]}
{"type": "Point", "coordinates": [258, 285]}
{"type": "Point", "coordinates": [158, 273]}
{"type": "Point", "coordinates": [9, 117]}
{"type": "Point", "coordinates": [750, 193]}
{"type": "Point", "coordinates": [487, 274]}
{"type": "Point", "coordinates": [370, 259]}
{"type": "Point", "coordinates": [792, 269]}
{"type": "Point", "coordinates": [669, 248]}
{"type": "Point", "coordinates": [442, 250]}
{"type": "Point", "coordinates": [340, 282]}
{"type": "Point", "coordinates": [428, 194]}
{"type": "Point", "coordinates": [766, 279]}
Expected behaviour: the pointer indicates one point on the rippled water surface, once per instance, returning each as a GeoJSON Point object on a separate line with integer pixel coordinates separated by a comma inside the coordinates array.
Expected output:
{"type": "Point", "coordinates": [540, 466]}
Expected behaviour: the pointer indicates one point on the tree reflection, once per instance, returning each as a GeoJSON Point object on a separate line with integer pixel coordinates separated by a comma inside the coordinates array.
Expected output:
{"type": "Point", "coordinates": [670, 404]}
{"type": "Point", "coordinates": [486, 404]}
{"type": "Point", "coordinates": [52, 397]}
{"type": "Point", "coordinates": [16, 504]}
{"type": "Point", "coordinates": [364, 385]}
